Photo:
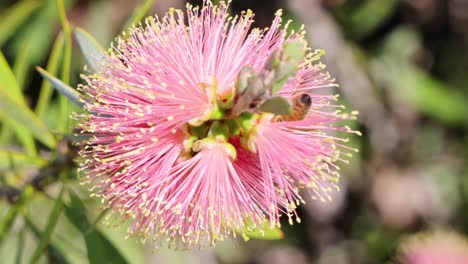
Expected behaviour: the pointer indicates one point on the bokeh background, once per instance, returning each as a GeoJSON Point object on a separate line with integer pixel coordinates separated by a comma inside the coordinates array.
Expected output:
{"type": "Point", "coordinates": [403, 64]}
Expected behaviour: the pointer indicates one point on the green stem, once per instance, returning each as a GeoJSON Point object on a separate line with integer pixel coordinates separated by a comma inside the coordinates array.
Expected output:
{"type": "Point", "coordinates": [63, 101]}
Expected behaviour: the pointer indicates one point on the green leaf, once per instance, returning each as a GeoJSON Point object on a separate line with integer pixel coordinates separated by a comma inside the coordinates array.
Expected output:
{"type": "Point", "coordinates": [14, 17]}
{"type": "Point", "coordinates": [276, 105]}
{"type": "Point", "coordinates": [286, 65]}
{"type": "Point", "coordinates": [8, 80]}
{"type": "Point", "coordinates": [39, 32]}
{"type": "Point", "coordinates": [22, 118]}
{"type": "Point", "coordinates": [371, 15]}
{"type": "Point", "coordinates": [76, 213]}
{"type": "Point", "coordinates": [139, 12]}
{"type": "Point", "coordinates": [10, 159]}
{"type": "Point", "coordinates": [294, 50]}
{"type": "Point", "coordinates": [61, 87]}
{"type": "Point", "coordinates": [90, 48]}
{"type": "Point", "coordinates": [416, 87]}
{"type": "Point", "coordinates": [9, 217]}
{"type": "Point", "coordinates": [100, 216]}
{"type": "Point", "coordinates": [20, 67]}
{"type": "Point", "coordinates": [99, 248]}
{"type": "Point", "coordinates": [7, 221]}
{"type": "Point", "coordinates": [51, 223]}
{"type": "Point", "coordinates": [265, 233]}
{"type": "Point", "coordinates": [54, 254]}
{"type": "Point", "coordinates": [66, 65]}
{"type": "Point", "coordinates": [403, 36]}
{"type": "Point", "coordinates": [20, 247]}
{"type": "Point", "coordinates": [10, 86]}
{"type": "Point", "coordinates": [52, 67]}
{"type": "Point", "coordinates": [23, 135]}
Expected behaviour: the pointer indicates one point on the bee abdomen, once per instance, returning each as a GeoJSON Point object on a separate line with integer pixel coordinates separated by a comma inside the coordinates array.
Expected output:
{"type": "Point", "coordinates": [300, 107]}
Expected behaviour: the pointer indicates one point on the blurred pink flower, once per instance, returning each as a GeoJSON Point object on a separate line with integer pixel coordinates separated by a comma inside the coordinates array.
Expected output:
{"type": "Point", "coordinates": [166, 148]}
{"type": "Point", "coordinates": [435, 248]}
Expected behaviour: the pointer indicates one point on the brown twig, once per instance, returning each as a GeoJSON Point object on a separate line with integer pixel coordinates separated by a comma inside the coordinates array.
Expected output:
{"type": "Point", "coordinates": [46, 175]}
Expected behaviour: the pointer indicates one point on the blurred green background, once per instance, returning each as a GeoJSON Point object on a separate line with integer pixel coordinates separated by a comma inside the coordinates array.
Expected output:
{"type": "Point", "coordinates": [402, 64]}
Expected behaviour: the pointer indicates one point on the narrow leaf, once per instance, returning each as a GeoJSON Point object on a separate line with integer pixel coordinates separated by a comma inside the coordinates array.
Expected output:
{"type": "Point", "coordinates": [51, 223]}
{"type": "Point", "coordinates": [63, 102]}
{"type": "Point", "coordinates": [40, 32]}
{"type": "Point", "coordinates": [53, 252]}
{"type": "Point", "coordinates": [370, 16]}
{"type": "Point", "coordinates": [76, 213]}
{"type": "Point", "coordinates": [13, 17]}
{"type": "Point", "coordinates": [100, 216]}
{"type": "Point", "coordinates": [139, 12]}
{"type": "Point", "coordinates": [90, 48]}
{"type": "Point", "coordinates": [416, 87]}
{"type": "Point", "coordinates": [20, 67]}
{"type": "Point", "coordinates": [10, 86]}
{"type": "Point", "coordinates": [7, 221]}
{"type": "Point", "coordinates": [61, 87]}
{"type": "Point", "coordinates": [8, 80]}
{"type": "Point", "coordinates": [276, 105]}
{"type": "Point", "coordinates": [52, 67]}
{"type": "Point", "coordinates": [99, 248]}
{"type": "Point", "coordinates": [20, 247]}
{"type": "Point", "coordinates": [10, 159]}
{"type": "Point", "coordinates": [9, 130]}
{"type": "Point", "coordinates": [22, 118]}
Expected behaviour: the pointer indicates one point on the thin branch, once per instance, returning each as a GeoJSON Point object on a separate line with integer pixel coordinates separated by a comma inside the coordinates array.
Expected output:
{"type": "Point", "coordinates": [44, 176]}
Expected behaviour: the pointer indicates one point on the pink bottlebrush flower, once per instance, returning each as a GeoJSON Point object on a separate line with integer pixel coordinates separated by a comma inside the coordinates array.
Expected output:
{"type": "Point", "coordinates": [184, 139]}
{"type": "Point", "coordinates": [434, 248]}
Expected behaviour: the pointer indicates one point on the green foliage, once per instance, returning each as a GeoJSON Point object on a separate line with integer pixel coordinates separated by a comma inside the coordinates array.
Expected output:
{"type": "Point", "coordinates": [393, 69]}
{"type": "Point", "coordinates": [45, 94]}
{"type": "Point", "coordinates": [20, 67]}
{"type": "Point", "coordinates": [139, 13]}
{"type": "Point", "coordinates": [23, 120]}
{"type": "Point", "coordinates": [53, 254]}
{"type": "Point", "coordinates": [14, 17]}
{"type": "Point", "coordinates": [90, 48]}
{"type": "Point", "coordinates": [417, 75]}
{"type": "Point", "coordinates": [10, 87]}
{"type": "Point", "coordinates": [39, 31]}
{"type": "Point", "coordinates": [8, 81]}
{"type": "Point", "coordinates": [99, 248]}
{"type": "Point", "coordinates": [61, 87]}
{"type": "Point", "coordinates": [15, 159]}
{"type": "Point", "coordinates": [268, 233]}
{"type": "Point", "coordinates": [430, 96]}
{"type": "Point", "coordinates": [370, 15]}
{"type": "Point", "coordinates": [66, 65]}
{"type": "Point", "coordinates": [51, 223]}
{"type": "Point", "coordinates": [20, 247]}
{"type": "Point", "coordinates": [7, 221]}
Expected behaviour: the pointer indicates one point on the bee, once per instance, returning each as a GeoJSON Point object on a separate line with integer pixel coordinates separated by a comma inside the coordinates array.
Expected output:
{"type": "Point", "coordinates": [300, 107]}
